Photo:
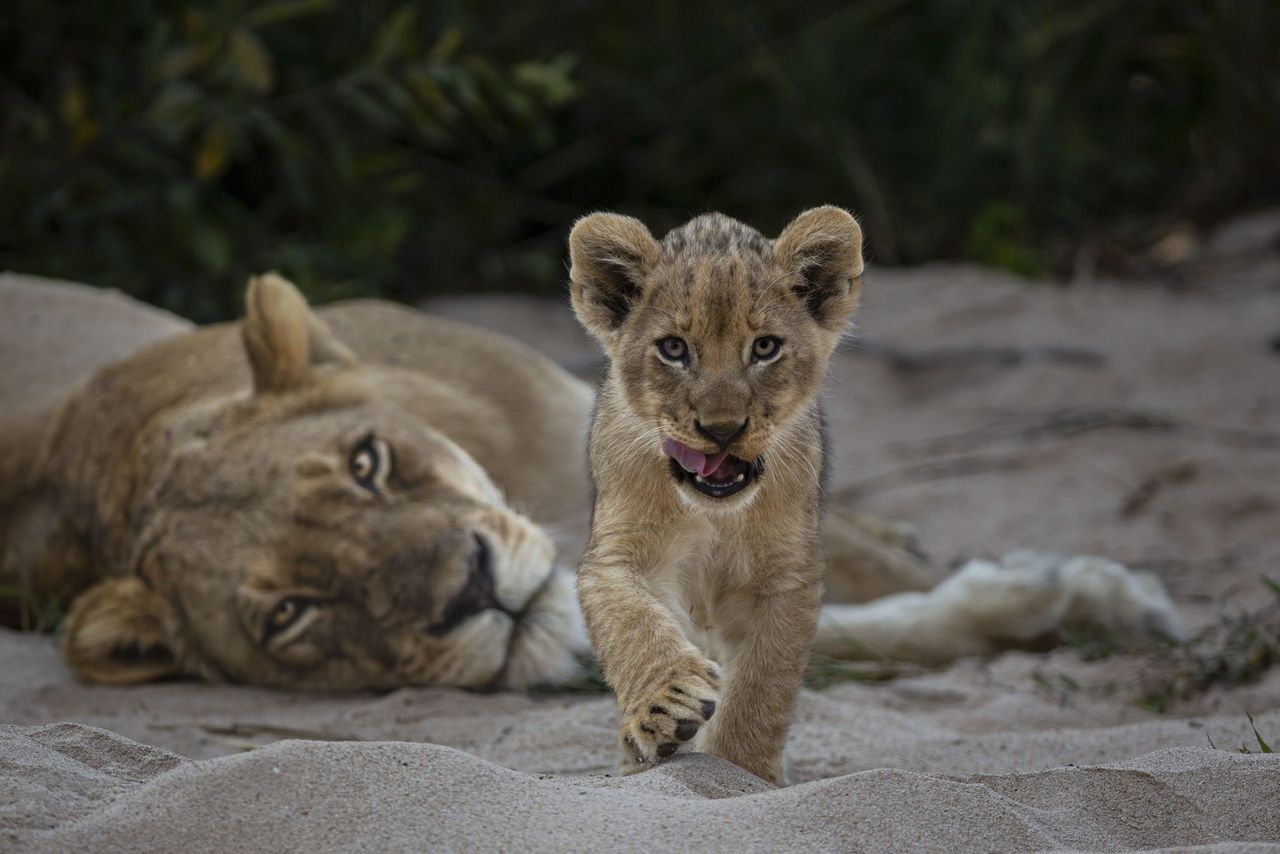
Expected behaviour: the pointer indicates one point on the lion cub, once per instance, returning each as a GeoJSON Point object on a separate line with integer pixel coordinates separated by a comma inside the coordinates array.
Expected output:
{"type": "Point", "coordinates": [706, 453]}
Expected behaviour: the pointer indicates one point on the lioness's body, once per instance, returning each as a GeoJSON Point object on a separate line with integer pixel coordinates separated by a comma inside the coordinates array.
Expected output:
{"type": "Point", "coordinates": [91, 484]}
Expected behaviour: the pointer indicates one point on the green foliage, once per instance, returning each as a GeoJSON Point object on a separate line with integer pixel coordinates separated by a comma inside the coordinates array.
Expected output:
{"type": "Point", "coordinates": [29, 611]}
{"type": "Point", "coordinates": [1060, 686]}
{"type": "Point", "coordinates": [399, 148]}
{"type": "Point", "coordinates": [171, 151]}
{"type": "Point", "coordinates": [1239, 649]}
{"type": "Point", "coordinates": [1263, 747]}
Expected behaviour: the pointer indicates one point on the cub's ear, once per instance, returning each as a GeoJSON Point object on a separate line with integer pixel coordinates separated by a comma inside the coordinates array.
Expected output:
{"type": "Point", "coordinates": [610, 257]}
{"type": "Point", "coordinates": [118, 632]}
{"type": "Point", "coordinates": [824, 245]}
{"type": "Point", "coordinates": [282, 337]}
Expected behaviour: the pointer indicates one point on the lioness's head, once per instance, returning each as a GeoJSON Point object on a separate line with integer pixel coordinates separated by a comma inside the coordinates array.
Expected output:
{"type": "Point", "coordinates": [316, 531]}
{"type": "Point", "coordinates": [717, 336]}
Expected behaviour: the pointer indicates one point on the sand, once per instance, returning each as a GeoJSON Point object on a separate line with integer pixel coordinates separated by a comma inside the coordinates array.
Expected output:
{"type": "Point", "coordinates": [109, 793]}
{"type": "Point", "coordinates": [1135, 420]}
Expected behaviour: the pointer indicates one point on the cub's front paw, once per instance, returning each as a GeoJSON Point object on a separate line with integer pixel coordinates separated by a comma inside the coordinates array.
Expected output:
{"type": "Point", "coordinates": [654, 726]}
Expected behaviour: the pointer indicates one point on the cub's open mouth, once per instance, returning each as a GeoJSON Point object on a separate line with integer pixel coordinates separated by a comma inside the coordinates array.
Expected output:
{"type": "Point", "coordinates": [714, 475]}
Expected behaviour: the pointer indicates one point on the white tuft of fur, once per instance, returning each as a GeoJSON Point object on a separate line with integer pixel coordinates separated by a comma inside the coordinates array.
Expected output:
{"type": "Point", "coordinates": [988, 606]}
{"type": "Point", "coordinates": [549, 638]}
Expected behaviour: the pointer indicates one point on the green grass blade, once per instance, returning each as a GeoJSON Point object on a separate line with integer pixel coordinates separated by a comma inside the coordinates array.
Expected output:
{"type": "Point", "coordinates": [1266, 748]}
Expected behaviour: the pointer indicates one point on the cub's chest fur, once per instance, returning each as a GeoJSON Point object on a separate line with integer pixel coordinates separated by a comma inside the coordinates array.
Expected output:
{"type": "Point", "coordinates": [705, 565]}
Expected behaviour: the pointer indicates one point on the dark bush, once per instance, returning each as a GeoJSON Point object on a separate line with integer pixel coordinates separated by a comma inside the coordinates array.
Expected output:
{"type": "Point", "coordinates": [363, 148]}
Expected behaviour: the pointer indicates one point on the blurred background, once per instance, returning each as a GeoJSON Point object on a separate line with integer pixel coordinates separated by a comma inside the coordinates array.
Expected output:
{"type": "Point", "coordinates": [413, 149]}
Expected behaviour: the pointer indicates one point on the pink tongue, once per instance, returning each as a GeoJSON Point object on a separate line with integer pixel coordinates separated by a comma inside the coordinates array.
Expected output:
{"type": "Point", "coordinates": [690, 460]}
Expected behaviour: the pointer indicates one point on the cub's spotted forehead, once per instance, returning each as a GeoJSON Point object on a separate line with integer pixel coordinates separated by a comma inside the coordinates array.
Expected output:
{"type": "Point", "coordinates": [715, 273]}
{"type": "Point", "coordinates": [715, 234]}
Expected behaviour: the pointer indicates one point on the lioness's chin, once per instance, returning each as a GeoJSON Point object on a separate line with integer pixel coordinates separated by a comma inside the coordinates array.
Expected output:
{"type": "Point", "coordinates": [546, 642]}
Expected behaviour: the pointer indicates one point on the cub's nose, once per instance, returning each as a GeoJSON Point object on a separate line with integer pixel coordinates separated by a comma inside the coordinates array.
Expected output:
{"type": "Point", "coordinates": [721, 432]}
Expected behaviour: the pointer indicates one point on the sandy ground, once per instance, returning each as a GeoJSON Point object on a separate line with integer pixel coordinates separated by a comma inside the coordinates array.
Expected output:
{"type": "Point", "coordinates": [406, 796]}
{"type": "Point", "coordinates": [1141, 422]}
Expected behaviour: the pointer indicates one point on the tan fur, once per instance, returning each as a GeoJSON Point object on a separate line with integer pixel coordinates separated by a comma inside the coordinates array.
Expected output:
{"type": "Point", "coordinates": [121, 633]}
{"type": "Point", "coordinates": [205, 487]}
{"type": "Point", "coordinates": [702, 610]}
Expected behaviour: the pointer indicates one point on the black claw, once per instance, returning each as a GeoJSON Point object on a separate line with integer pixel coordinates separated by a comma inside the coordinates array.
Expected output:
{"type": "Point", "coordinates": [686, 730]}
{"type": "Point", "coordinates": [708, 709]}
{"type": "Point", "coordinates": [665, 750]}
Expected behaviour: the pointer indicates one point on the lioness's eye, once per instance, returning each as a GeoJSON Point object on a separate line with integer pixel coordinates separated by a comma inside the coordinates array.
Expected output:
{"type": "Point", "coordinates": [368, 463]}
{"type": "Point", "coordinates": [286, 612]}
{"type": "Point", "coordinates": [673, 350]}
{"type": "Point", "coordinates": [766, 348]}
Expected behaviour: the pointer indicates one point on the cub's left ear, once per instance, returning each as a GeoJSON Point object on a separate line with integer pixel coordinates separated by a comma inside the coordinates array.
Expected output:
{"type": "Point", "coordinates": [118, 632]}
{"type": "Point", "coordinates": [824, 246]}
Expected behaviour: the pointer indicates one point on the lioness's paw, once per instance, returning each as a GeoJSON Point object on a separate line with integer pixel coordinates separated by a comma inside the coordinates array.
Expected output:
{"type": "Point", "coordinates": [654, 726]}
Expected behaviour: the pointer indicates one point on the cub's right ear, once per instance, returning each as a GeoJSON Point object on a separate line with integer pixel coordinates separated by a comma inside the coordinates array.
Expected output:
{"type": "Point", "coordinates": [610, 256]}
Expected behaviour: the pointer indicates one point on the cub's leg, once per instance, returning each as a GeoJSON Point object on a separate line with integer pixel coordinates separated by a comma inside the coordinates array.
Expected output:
{"type": "Point", "coordinates": [767, 639]}
{"type": "Point", "coordinates": [666, 688]}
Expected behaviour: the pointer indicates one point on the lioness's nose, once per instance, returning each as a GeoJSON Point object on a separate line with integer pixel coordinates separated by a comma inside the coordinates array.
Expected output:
{"type": "Point", "coordinates": [721, 432]}
{"type": "Point", "coordinates": [477, 593]}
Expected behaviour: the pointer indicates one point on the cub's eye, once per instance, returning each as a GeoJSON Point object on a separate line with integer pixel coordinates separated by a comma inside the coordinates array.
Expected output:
{"type": "Point", "coordinates": [766, 348]}
{"type": "Point", "coordinates": [370, 463]}
{"type": "Point", "coordinates": [286, 612]}
{"type": "Point", "coordinates": [673, 350]}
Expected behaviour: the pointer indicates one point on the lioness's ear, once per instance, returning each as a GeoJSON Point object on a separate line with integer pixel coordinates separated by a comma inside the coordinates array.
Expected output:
{"type": "Point", "coordinates": [610, 256]}
{"type": "Point", "coordinates": [118, 632]}
{"type": "Point", "coordinates": [824, 245]}
{"type": "Point", "coordinates": [282, 337]}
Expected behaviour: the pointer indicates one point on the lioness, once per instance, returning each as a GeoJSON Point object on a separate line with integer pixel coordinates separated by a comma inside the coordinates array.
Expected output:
{"type": "Point", "coordinates": [368, 496]}
{"type": "Point", "coordinates": [257, 503]}
{"type": "Point", "coordinates": [706, 449]}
